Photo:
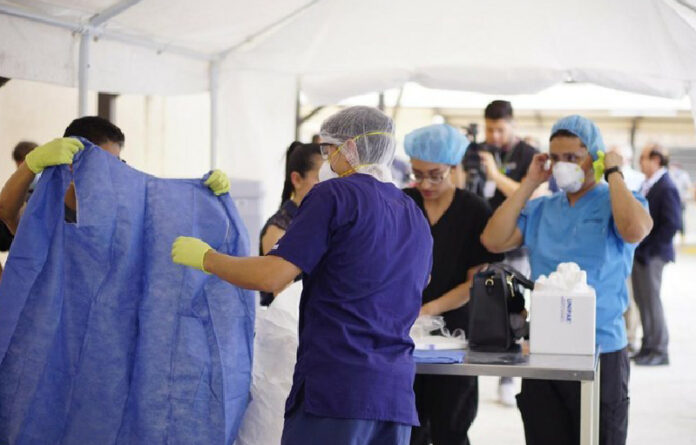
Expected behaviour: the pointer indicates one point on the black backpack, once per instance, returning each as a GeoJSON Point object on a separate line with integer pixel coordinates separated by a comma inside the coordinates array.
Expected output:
{"type": "Point", "coordinates": [496, 293]}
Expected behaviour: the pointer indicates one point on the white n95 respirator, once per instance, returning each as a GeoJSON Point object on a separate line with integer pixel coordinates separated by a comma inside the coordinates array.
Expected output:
{"type": "Point", "coordinates": [326, 172]}
{"type": "Point", "coordinates": [569, 176]}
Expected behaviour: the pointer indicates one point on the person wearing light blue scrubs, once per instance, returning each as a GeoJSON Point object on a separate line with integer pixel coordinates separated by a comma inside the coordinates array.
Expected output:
{"type": "Point", "coordinates": [596, 225]}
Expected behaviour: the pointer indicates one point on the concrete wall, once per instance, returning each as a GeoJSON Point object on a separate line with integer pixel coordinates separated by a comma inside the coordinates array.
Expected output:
{"type": "Point", "coordinates": [165, 136]}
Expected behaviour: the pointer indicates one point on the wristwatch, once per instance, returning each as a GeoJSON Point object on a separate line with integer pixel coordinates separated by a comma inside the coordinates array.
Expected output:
{"type": "Point", "coordinates": [614, 169]}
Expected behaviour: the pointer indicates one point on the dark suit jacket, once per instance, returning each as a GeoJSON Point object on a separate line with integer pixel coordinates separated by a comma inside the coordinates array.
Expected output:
{"type": "Point", "coordinates": [666, 212]}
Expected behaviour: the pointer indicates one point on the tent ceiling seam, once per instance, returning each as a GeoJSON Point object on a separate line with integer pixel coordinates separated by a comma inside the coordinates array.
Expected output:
{"type": "Point", "coordinates": [100, 19]}
{"type": "Point", "coordinates": [100, 32]}
{"type": "Point", "coordinates": [253, 36]}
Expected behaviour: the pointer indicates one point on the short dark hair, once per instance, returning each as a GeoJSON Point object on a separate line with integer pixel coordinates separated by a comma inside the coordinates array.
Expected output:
{"type": "Point", "coordinates": [95, 129]}
{"type": "Point", "coordinates": [498, 109]}
{"type": "Point", "coordinates": [659, 153]}
{"type": "Point", "coordinates": [22, 149]}
{"type": "Point", "coordinates": [566, 134]}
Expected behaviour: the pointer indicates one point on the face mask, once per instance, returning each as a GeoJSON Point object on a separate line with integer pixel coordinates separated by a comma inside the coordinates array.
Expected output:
{"type": "Point", "coordinates": [326, 172]}
{"type": "Point", "coordinates": [569, 177]}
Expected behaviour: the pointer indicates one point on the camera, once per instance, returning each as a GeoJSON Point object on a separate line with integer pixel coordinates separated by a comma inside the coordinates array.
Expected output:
{"type": "Point", "coordinates": [471, 131]}
{"type": "Point", "coordinates": [475, 171]}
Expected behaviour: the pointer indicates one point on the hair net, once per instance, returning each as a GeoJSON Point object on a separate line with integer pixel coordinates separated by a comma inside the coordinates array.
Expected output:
{"type": "Point", "coordinates": [583, 128]}
{"type": "Point", "coordinates": [373, 133]}
{"type": "Point", "coordinates": [440, 143]}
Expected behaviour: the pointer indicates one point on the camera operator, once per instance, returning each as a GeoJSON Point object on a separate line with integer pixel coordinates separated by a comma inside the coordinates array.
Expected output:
{"type": "Point", "coordinates": [494, 170]}
{"type": "Point", "coordinates": [495, 167]}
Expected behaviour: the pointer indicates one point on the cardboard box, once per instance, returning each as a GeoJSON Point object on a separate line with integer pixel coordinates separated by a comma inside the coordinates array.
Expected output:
{"type": "Point", "coordinates": [562, 323]}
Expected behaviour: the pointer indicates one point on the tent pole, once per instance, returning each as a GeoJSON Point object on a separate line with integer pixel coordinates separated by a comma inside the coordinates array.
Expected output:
{"type": "Point", "coordinates": [397, 106]}
{"type": "Point", "coordinates": [632, 134]}
{"type": "Point", "coordinates": [16, 12]}
{"type": "Point", "coordinates": [299, 119]}
{"type": "Point", "coordinates": [692, 98]}
{"type": "Point", "coordinates": [214, 84]}
{"type": "Point", "coordinates": [98, 19]}
{"type": "Point", "coordinates": [100, 32]}
{"type": "Point", "coordinates": [83, 74]}
{"type": "Point", "coordinates": [267, 29]}
{"type": "Point", "coordinates": [298, 115]}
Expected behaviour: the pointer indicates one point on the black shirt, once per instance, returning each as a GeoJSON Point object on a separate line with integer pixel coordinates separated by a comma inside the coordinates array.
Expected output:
{"type": "Point", "coordinates": [70, 215]}
{"type": "Point", "coordinates": [5, 237]}
{"type": "Point", "coordinates": [514, 162]}
{"type": "Point", "coordinates": [456, 248]}
{"type": "Point", "coordinates": [281, 219]}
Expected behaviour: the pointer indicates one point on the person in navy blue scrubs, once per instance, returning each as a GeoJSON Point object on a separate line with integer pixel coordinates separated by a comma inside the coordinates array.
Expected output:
{"type": "Point", "coordinates": [366, 252]}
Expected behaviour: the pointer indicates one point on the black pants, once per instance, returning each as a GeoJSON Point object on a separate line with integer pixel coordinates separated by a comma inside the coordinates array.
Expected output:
{"type": "Point", "coordinates": [447, 407]}
{"type": "Point", "coordinates": [551, 408]}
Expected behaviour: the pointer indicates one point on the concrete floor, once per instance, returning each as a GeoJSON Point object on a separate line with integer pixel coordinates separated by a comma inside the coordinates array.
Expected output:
{"type": "Point", "coordinates": [663, 399]}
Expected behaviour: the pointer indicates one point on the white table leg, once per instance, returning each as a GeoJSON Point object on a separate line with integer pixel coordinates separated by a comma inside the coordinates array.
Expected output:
{"type": "Point", "coordinates": [595, 416]}
{"type": "Point", "coordinates": [589, 411]}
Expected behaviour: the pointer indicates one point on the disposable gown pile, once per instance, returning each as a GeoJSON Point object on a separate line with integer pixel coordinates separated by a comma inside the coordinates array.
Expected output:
{"type": "Point", "coordinates": [103, 340]}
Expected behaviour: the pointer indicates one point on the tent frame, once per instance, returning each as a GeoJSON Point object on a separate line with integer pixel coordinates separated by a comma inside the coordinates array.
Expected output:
{"type": "Point", "coordinates": [95, 28]}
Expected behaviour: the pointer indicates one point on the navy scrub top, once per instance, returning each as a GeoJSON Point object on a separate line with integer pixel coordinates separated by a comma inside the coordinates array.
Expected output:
{"type": "Point", "coordinates": [366, 251]}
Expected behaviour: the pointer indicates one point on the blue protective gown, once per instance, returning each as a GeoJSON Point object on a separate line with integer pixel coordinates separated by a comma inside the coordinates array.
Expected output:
{"type": "Point", "coordinates": [103, 339]}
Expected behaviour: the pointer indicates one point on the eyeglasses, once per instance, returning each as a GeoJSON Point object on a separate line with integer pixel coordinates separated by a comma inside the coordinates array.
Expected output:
{"type": "Point", "coordinates": [324, 149]}
{"type": "Point", "coordinates": [573, 158]}
{"type": "Point", "coordinates": [434, 179]}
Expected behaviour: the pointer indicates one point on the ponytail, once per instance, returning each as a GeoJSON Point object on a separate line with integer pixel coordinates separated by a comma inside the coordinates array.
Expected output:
{"type": "Point", "coordinates": [298, 158]}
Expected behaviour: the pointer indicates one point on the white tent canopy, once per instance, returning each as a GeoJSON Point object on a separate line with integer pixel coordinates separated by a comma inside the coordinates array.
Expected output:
{"type": "Point", "coordinates": [345, 47]}
{"type": "Point", "coordinates": [502, 47]}
{"type": "Point", "coordinates": [253, 55]}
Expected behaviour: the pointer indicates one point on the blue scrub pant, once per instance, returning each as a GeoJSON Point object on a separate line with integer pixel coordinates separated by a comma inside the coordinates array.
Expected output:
{"type": "Point", "coordinates": [302, 428]}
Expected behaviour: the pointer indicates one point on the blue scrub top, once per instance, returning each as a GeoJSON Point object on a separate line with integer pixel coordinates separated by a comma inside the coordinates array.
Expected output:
{"type": "Point", "coordinates": [586, 234]}
{"type": "Point", "coordinates": [366, 251]}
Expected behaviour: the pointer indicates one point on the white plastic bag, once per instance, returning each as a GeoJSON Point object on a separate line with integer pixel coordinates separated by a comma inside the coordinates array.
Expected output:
{"type": "Point", "coordinates": [275, 354]}
{"type": "Point", "coordinates": [426, 324]}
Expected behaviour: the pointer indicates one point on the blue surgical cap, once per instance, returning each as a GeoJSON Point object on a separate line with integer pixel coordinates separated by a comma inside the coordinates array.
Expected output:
{"type": "Point", "coordinates": [439, 143]}
{"type": "Point", "coordinates": [583, 128]}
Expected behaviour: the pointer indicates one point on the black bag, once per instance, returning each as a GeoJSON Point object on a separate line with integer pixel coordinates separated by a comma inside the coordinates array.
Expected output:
{"type": "Point", "coordinates": [496, 293]}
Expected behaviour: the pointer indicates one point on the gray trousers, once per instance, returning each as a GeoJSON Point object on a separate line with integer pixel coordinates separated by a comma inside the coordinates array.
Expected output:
{"type": "Point", "coordinates": [631, 316]}
{"type": "Point", "coordinates": [647, 281]}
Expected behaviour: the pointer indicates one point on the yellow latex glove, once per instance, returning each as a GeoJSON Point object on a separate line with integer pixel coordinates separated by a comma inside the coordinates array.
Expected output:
{"type": "Point", "coordinates": [598, 166]}
{"type": "Point", "coordinates": [190, 252]}
{"type": "Point", "coordinates": [57, 152]}
{"type": "Point", "coordinates": [218, 182]}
